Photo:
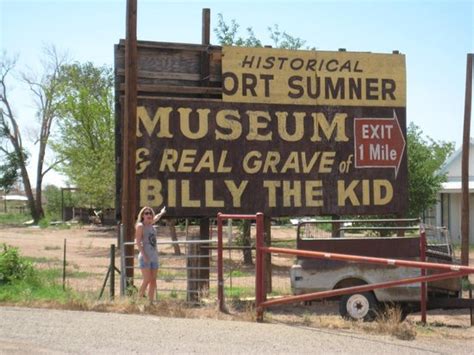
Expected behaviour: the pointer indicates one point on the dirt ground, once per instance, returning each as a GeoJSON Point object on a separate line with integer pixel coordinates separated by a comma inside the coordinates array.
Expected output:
{"type": "Point", "coordinates": [88, 254]}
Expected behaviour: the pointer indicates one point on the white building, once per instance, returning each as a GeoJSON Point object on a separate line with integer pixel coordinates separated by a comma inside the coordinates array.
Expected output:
{"type": "Point", "coordinates": [448, 208]}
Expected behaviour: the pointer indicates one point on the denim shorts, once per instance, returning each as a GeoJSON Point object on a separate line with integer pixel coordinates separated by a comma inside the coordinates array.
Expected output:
{"type": "Point", "coordinates": [150, 265]}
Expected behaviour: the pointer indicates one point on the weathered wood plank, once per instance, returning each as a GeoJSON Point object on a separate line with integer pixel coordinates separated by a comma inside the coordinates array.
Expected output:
{"type": "Point", "coordinates": [178, 89]}
{"type": "Point", "coordinates": [147, 74]}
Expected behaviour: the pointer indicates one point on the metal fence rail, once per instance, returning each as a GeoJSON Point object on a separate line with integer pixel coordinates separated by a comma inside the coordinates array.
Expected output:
{"type": "Point", "coordinates": [171, 262]}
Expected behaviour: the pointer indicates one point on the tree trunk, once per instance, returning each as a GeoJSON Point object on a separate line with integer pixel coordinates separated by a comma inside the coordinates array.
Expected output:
{"type": "Point", "coordinates": [174, 237]}
{"type": "Point", "coordinates": [35, 214]}
{"type": "Point", "coordinates": [246, 242]}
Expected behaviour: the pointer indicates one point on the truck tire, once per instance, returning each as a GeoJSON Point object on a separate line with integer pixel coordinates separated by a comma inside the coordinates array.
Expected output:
{"type": "Point", "coordinates": [358, 306]}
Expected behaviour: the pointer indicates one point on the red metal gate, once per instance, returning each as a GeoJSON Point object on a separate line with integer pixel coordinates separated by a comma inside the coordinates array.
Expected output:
{"type": "Point", "coordinates": [259, 278]}
{"type": "Point", "coordinates": [451, 271]}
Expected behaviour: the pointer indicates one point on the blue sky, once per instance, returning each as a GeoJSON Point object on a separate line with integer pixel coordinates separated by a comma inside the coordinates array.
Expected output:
{"type": "Point", "coordinates": [435, 36]}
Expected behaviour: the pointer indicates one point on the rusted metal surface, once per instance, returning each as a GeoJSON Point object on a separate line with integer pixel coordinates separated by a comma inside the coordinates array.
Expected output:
{"type": "Point", "coordinates": [398, 247]}
{"type": "Point", "coordinates": [363, 288]}
{"type": "Point", "coordinates": [307, 280]}
{"type": "Point", "coordinates": [370, 260]}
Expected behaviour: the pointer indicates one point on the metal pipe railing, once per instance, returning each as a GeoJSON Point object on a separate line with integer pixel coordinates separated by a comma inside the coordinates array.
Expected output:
{"type": "Point", "coordinates": [174, 257]}
{"type": "Point", "coordinates": [450, 272]}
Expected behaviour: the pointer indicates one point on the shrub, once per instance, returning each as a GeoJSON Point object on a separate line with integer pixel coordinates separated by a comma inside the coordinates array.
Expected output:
{"type": "Point", "coordinates": [14, 267]}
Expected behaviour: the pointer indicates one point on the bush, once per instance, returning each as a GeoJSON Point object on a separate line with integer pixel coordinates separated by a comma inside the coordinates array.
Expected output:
{"type": "Point", "coordinates": [13, 267]}
{"type": "Point", "coordinates": [44, 222]}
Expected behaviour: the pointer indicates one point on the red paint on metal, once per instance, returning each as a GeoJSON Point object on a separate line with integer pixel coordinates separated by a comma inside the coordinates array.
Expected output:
{"type": "Point", "coordinates": [370, 260]}
{"type": "Point", "coordinates": [363, 288]}
{"type": "Point", "coordinates": [260, 271]}
{"type": "Point", "coordinates": [220, 268]}
{"type": "Point", "coordinates": [452, 271]}
{"type": "Point", "coordinates": [259, 264]}
{"type": "Point", "coordinates": [237, 216]}
{"type": "Point", "coordinates": [423, 289]}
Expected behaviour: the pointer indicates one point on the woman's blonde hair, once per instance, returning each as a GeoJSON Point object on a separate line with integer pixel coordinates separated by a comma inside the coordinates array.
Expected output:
{"type": "Point", "coordinates": [143, 210]}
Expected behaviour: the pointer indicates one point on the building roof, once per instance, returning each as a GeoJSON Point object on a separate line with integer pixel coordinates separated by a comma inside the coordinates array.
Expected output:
{"type": "Point", "coordinates": [453, 158]}
{"type": "Point", "coordinates": [15, 198]}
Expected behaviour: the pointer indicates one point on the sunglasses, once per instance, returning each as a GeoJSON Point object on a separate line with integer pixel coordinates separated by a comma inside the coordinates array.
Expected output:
{"type": "Point", "coordinates": [148, 212]}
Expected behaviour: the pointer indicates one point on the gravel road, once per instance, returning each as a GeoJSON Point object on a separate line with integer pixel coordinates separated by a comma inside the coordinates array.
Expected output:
{"type": "Point", "coordinates": [26, 330]}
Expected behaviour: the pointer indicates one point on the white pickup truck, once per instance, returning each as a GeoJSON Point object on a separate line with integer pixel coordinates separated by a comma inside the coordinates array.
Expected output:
{"type": "Point", "coordinates": [313, 275]}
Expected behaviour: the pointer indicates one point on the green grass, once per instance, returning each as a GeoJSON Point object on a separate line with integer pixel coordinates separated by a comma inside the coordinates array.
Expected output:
{"type": "Point", "coordinates": [239, 273]}
{"type": "Point", "coordinates": [291, 244]}
{"type": "Point", "coordinates": [239, 291]}
{"type": "Point", "coordinates": [42, 286]}
{"type": "Point", "coordinates": [457, 248]}
{"type": "Point", "coordinates": [41, 259]}
{"type": "Point", "coordinates": [14, 218]}
{"type": "Point", "coordinates": [57, 273]}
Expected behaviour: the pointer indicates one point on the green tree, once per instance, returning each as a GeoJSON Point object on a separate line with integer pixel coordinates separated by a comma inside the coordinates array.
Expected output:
{"type": "Point", "coordinates": [425, 158]}
{"type": "Point", "coordinates": [44, 90]}
{"type": "Point", "coordinates": [85, 142]}
{"type": "Point", "coordinates": [9, 170]}
{"type": "Point", "coordinates": [228, 35]}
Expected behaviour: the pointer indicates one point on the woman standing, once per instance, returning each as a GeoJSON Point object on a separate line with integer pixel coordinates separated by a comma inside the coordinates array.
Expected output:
{"type": "Point", "coordinates": [145, 238]}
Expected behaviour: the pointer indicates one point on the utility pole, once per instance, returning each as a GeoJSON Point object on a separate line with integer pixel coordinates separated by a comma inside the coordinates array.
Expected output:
{"type": "Point", "coordinates": [465, 164]}
{"type": "Point", "coordinates": [129, 191]}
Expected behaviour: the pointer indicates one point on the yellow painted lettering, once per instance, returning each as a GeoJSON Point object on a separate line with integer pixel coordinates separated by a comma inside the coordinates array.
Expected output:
{"type": "Point", "coordinates": [168, 160]}
{"type": "Point", "coordinates": [142, 160]}
{"type": "Point", "coordinates": [283, 129]}
{"type": "Point", "coordinates": [236, 191]}
{"type": "Point", "coordinates": [313, 193]}
{"type": "Point", "coordinates": [162, 116]}
{"type": "Point", "coordinates": [150, 192]}
{"type": "Point", "coordinates": [290, 193]}
{"type": "Point", "coordinates": [344, 193]}
{"type": "Point", "coordinates": [203, 122]}
{"type": "Point", "coordinates": [186, 195]}
{"type": "Point", "coordinates": [378, 186]}
{"type": "Point", "coordinates": [256, 126]}
{"type": "Point", "coordinates": [271, 186]}
{"type": "Point", "coordinates": [209, 191]}
{"type": "Point", "coordinates": [233, 125]}
{"type": "Point", "coordinates": [338, 124]}
{"type": "Point", "coordinates": [188, 157]}
{"type": "Point", "coordinates": [250, 165]}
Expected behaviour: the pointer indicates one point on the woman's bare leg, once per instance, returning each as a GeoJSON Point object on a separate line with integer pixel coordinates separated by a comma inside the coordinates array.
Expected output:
{"type": "Point", "coordinates": [152, 283]}
{"type": "Point", "coordinates": [146, 280]}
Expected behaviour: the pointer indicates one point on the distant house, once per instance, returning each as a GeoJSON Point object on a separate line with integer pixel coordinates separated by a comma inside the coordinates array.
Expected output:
{"type": "Point", "coordinates": [447, 211]}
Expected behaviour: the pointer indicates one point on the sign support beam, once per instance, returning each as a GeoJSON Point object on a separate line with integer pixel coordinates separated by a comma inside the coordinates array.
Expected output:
{"type": "Point", "coordinates": [465, 165]}
{"type": "Point", "coordinates": [129, 200]}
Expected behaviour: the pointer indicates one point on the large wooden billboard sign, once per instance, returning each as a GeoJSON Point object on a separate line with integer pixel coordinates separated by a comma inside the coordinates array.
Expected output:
{"type": "Point", "coordinates": [295, 133]}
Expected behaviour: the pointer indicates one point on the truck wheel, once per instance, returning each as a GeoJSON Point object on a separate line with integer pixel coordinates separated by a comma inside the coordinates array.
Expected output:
{"type": "Point", "coordinates": [358, 306]}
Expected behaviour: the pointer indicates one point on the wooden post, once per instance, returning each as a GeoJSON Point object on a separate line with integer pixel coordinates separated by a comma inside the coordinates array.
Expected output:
{"type": "Point", "coordinates": [203, 262]}
{"type": "Point", "coordinates": [129, 202]}
{"type": "Point", "coordinates": [465, 165]}
{"type": "Point", "coordinates": [335, 227]}
{"type": "Point", "coordinates": [267, 236]}
{"type": "Point", "coordinates": [204, 253]}
{"type": "Point", "coordinates": [195, 262]}
{"type": "Point", "coordinates": [206, 40]}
